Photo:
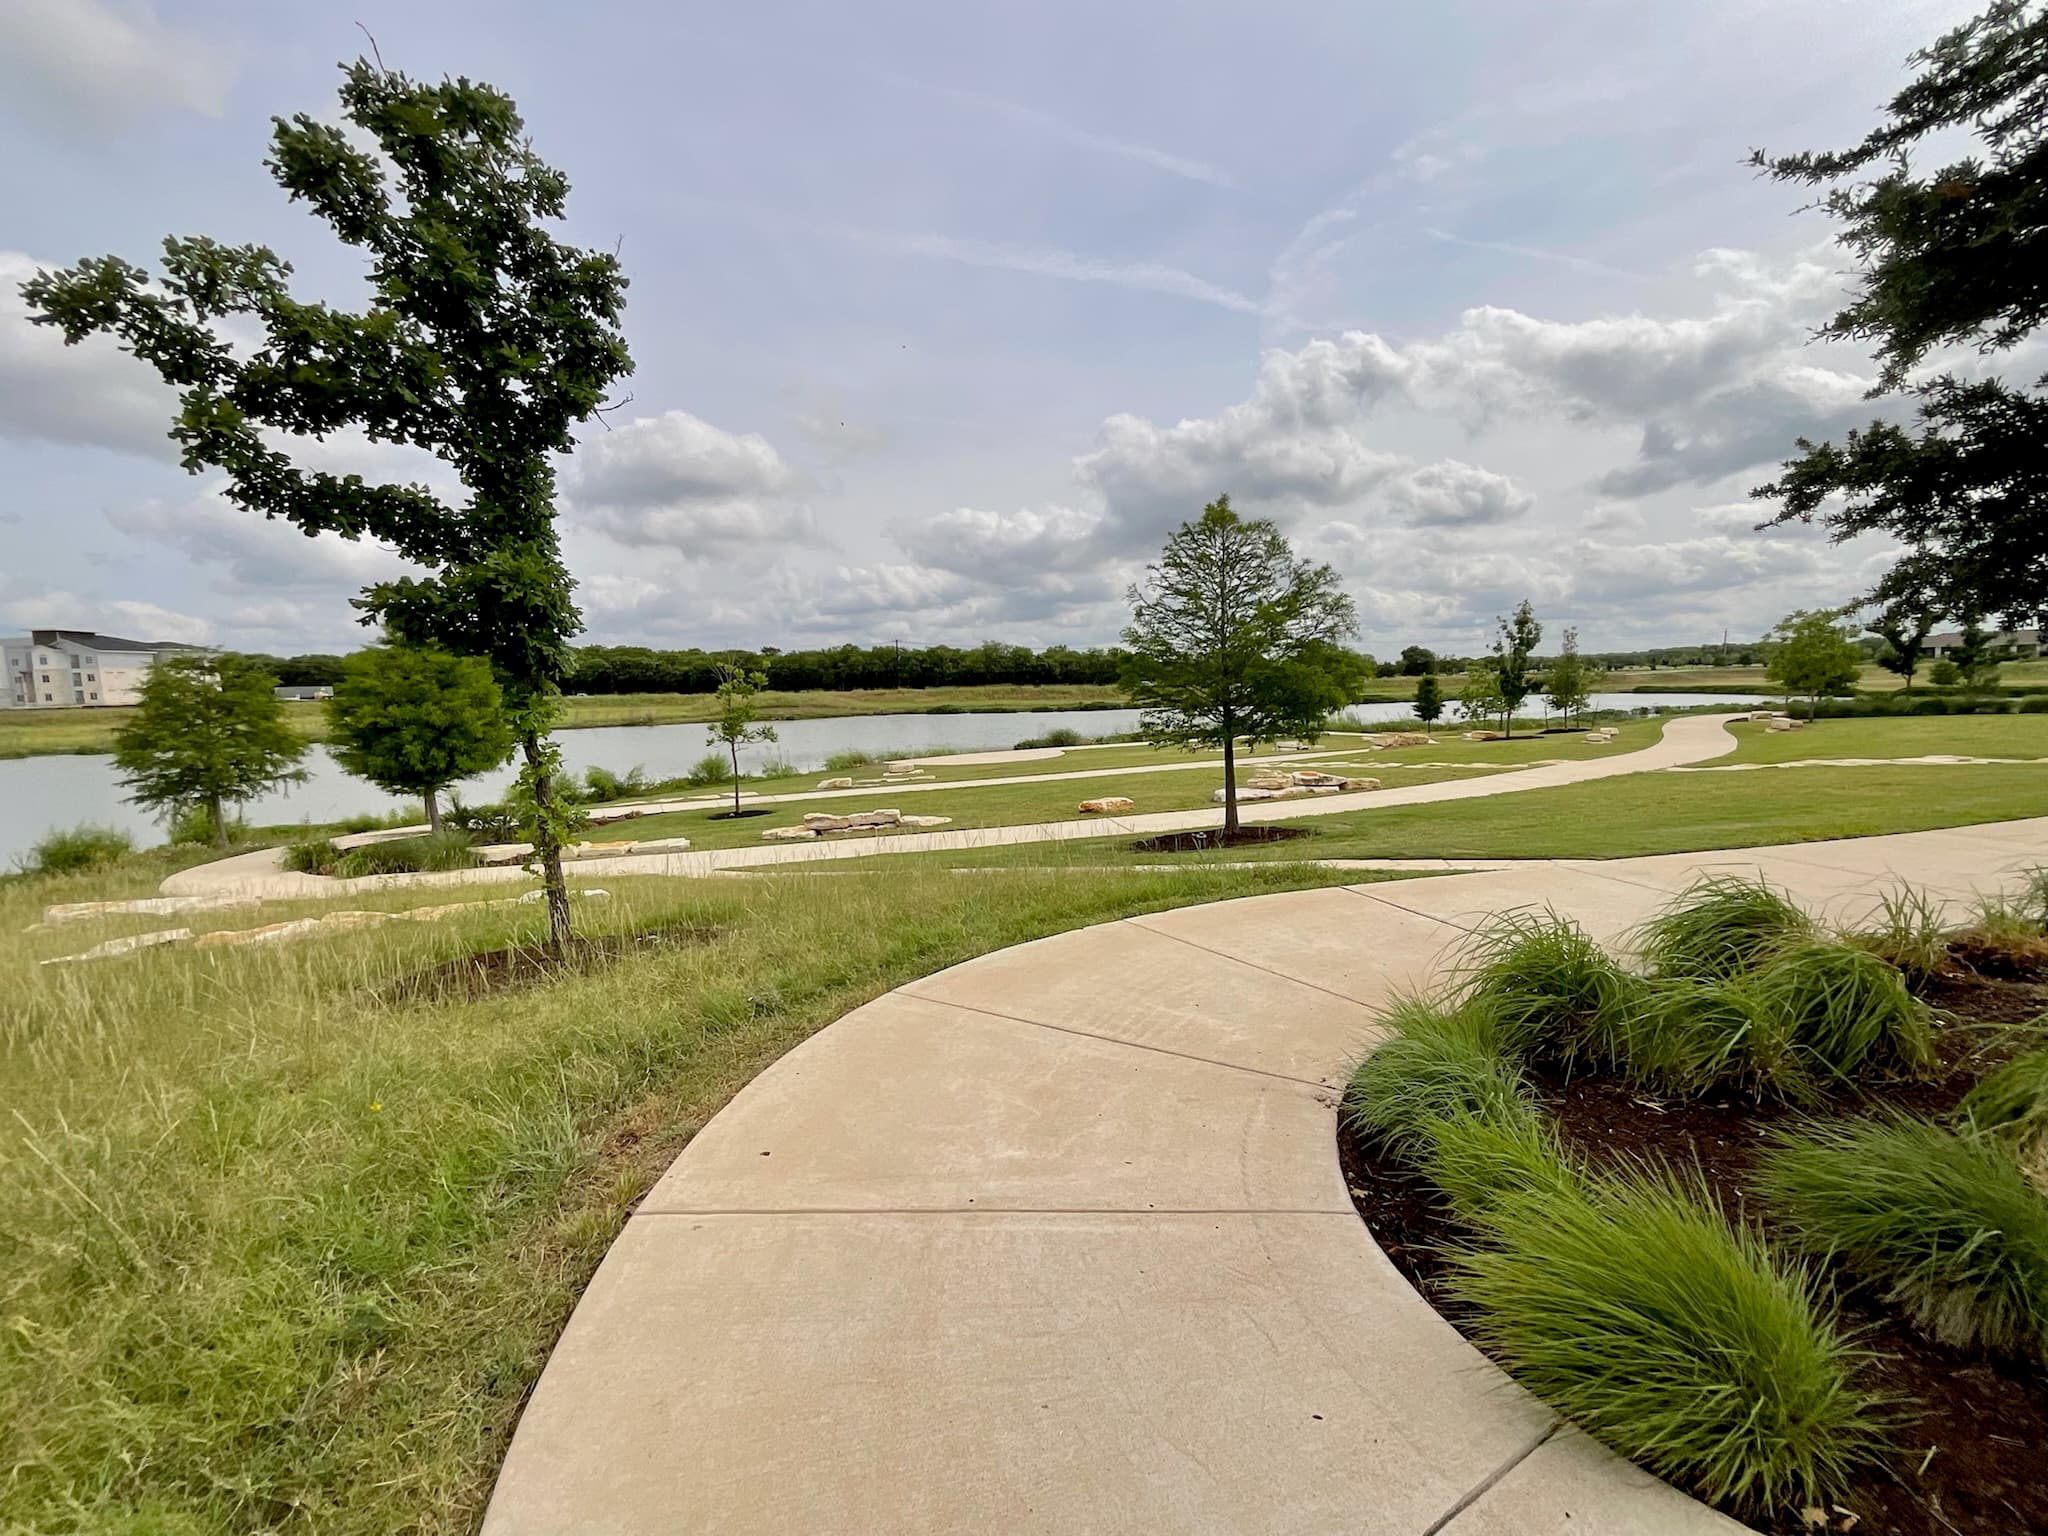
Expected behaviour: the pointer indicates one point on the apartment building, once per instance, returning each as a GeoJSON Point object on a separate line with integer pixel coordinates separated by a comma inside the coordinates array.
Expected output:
{"type": "Point", "coordinates": [75, 669]}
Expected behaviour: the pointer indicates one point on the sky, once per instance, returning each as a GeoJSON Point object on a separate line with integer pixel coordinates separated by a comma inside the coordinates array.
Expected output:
{"type": "Point", "coordinates": [944, 316]}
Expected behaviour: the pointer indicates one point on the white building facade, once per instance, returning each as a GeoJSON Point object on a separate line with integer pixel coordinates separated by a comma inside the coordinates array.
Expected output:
{"type": "Point", "coordinates": [75, 669]}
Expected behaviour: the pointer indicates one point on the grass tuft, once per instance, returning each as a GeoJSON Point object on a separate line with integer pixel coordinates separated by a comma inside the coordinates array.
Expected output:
{"type": "Point", "coordinates": [1478, 1160]}
{"type": "Point", "coordinates": [1552, 989]}
{"type": "Point", "coordinates": [76, 850]}
{"type": "Point", "coordinates": [1687, 1035]}
{"type": "Point", "coordinates": [1943, 1224]}
{"type": "Point", "coordinates": [1718, 926]}
{"type": "Point", "coordinates": [2012, 1105]}
{"type": "Point", "coordinates": [1439, 1060]}
{"type": "Point", "coordinates": [447, 849]}
{"type": "Point", "coordinates": [1683, 1343]}
{"type": "Point", "coordinates": [1843, 1007]}
{"type": "Point", "coordinates": [1908, 933]}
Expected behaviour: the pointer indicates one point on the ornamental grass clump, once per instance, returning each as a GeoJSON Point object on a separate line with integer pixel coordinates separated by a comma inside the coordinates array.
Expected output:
{"type": "Point", "coordinates": [1843, 1008]}
{"type": "Point", "coordinates": [1476, 1161]}
{"type": "Point", "coordinates": [1438, 1060]}
{"type": "Point", "coordinates": [1718, 927]}
{"type": "Point", "coordinates": [1687, 1035]}
{"type": "Point", "coordinates": [1552, 990]}
{"type": "Point", "coordinates": [1943, 1225]}
{"type": "Point", "coordinates": [1636, 1310]}
{"type": "Point", "coordinates": [1908, 933]}
{"type": "Point", "coordinates": [2011, 1106]}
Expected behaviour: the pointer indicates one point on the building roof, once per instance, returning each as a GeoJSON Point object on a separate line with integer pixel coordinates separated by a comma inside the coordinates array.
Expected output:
{"type": "Point", "coordinates": [99, 642]}
{"type": "Point", "coordinates": [1991, 637]}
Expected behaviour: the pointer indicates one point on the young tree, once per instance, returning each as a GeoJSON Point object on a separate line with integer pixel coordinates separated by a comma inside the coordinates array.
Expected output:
{"type": "Point", "coordinates": [1429, 699]}
{"type": "Point", "coordinates": [1813, 655]}
{"type": "Point", "coordinates": [736, 712]}
{"type": "Point", "coordinates": [1417, 661]}
{"type": "Point", "coordinates": [485, 341]}
{"type": "Point", "coordinates": [1565, 683]}
{"type": "Point", "coordinates": [1975, 656]}
{"type": "Point", "coordinates": [413, 719]}
{"type": "Point", "coordinates": [1944, 674]}
{"type": "Point", "coordinates": [1905, 640]}
{"type": "Point", "coordinates": [1480, 698]}
{"type": "Point", "coordinates": [208, 732]}
{"type": "Point", "coordinates": [1231, 636]}
{"type": "Point", "coordinates": [1951, 256]}
{"type": "Point", "coordinates": [1512, 649]}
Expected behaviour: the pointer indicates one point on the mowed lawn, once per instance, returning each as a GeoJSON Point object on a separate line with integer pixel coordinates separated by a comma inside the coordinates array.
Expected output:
{"type": "Point", "coordinates": [287, 1233]}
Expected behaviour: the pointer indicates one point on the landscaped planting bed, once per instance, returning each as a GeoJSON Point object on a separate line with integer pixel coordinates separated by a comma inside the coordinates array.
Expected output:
{"type": "Point", "coordinates": [1766, 1212]}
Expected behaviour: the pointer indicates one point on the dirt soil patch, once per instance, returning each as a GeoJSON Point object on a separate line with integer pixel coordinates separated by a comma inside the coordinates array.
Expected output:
{"type": "Point", "coordinates": [1968, 1457]}
{"type": "Point", "coordinates": [495, 971]}
{"type": "Point", "coordinates": [1205, 838]}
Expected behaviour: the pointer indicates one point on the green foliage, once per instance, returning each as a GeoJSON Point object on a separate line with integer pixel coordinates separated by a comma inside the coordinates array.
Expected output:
{"type": "Point", "coordinates": [1944, 1225]}
{"type": "Point", "coordinates": [1908, 933]}
{"type": "Point", "coordinates": [601, 784]}
{"type": "Point", "coordinates": [1232, 637]}
{"type": "Point", "coordinates": [413, 719]}
{"type": "Point", "coordinates": [847, 761]}
{"type": "Point", "coordinates": [1687, 1034]}
{"type": "Point", "coordinates": [207, 731]}
{"type": "Point", "coordinates": [1437, 1061]}
{"type": "Point", "coordinates": [1514, 650]}
{"type": "Point", "coordinates": [1477, 1160]}
{"type": "Point", "coordinates": [447, 849]}
{"type": "Point", "coordinates": [487, 823]}
{"type": "Point", "coordinates": [1943, 674]}
{"type": "Point", "coordinates": [1059, 736]}
{"type": "Point", "coordinates": [737, 709]}
{"type": "Point", "coordinates": [1429, 699]}
{"type": "Point", "coordinates": [1717, 926]}
{"type": "Point", "coordinates": [1844, 1007]}
{"type": "Point", "coordinates": [1481, 698]}
{"type": "Point", "coordinates": [1947, 256]}
{"type": "Point", "coordinates": [485, 341]}
{"type": "Point", "coordinates": [312, 856]}
{"type": "Point", "coordinates": [76, 849]}
{"type": "Point", "coordinates": [2034, 704]}
{"type": "Point", "coordinates": [2012, 1105]}
{"type": "Point", "coordinates": [1568, 681]}
{"type": "Point", "coordinates": [1638, 1312]}
{"type": "Point", "coordinates": [1904, 632]}
{"type": "Point", "coordinates": [1813, 654]}
{"type": "Point", "coordinates": [1550, 990]}
{"type": "Point", "coordinates": [711, 768]}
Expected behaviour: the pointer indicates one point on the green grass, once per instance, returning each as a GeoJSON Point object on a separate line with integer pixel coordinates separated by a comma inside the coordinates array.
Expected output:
{"type": "Point", "coordinates": [2011, 1105]}
{"type": "Point", "coordinates": [1680, 1341]}
{"type": "Point", "coordinates": [1907, 932]}
{"type": "Point", "coordinates": [1551, 989]}
{"type": "Point", "coordinates": [1438, 1060]}
{"type": "Point", "coordinates": [76, 849]}
{"type": "Point", "coordinates": [1845, 1008]}
{"type": "Point", "coordinates": [1902, 736]}
{"type": "Point", "coordinates": [1943, 1225]}
{"type": "Point", "coordinates": [1477, 1160]}
{"type": "Point", "coordinates": [1717, 926]}
{"type": "Point", "coordinates": [286, 1239]}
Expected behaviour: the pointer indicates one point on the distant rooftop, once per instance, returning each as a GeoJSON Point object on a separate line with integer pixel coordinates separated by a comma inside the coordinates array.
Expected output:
{"type": "Point", "coordinates": [98, 642]}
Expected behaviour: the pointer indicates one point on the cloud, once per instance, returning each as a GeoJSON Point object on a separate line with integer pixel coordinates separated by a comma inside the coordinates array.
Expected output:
{"type": "Point", "coordinates": [1058, 128]}
{"type": "Point", "coordinates": [97, 71]}
{"type": "Point", "coordinates": [1453, 494]}
{"type": "Point", "coordinates": [126, 617]}
{"type": "Point", "coordinates": [251, 554]}
{"type": "Point", "coordinates": [90, 395]}
{"type": "Point", "coordinates": [676, 482]}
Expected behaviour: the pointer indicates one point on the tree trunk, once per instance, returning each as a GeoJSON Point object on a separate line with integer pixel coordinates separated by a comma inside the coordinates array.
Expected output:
{"type": "Point", "coordinates": [433, 813]}
{"type": "Point", "coordinates": [549, 849]}
{"type": "Point", "coordinates": [220, 821]}
{"type": "Point", "coordinates": [1229, 782]}
{"type": "Point", "coordinates": [735, 747]}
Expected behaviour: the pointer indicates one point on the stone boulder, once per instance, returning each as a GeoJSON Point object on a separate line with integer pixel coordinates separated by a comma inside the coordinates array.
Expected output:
{"type": "Point", "coordinates": [1309, 778]}
{"type": "Point", "coordinates": [1108, 805]}
{"type": "Point", "coordinates": [1763, 714]}
{"type": "Point", "coordinates": [926, 821]}
{"type": "Point", "coordinates": [1484, 736]}
{"type": "Point", "coordinates": [835, 783]}
{"type": "Point", "coordinates": [1268, 781]}
{"type": "Point", "coordinates": [790, 834]}
{"type": "Point", "coordinates": [1360, 784]}
{"type": "Point", "coordinates": [822, 821]}
{"type": "Point", "coordinates": [1391, 739]}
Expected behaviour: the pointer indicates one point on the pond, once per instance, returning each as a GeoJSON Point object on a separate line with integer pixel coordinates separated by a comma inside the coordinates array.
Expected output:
{"type": "Point", "coordinates": [40, 794]}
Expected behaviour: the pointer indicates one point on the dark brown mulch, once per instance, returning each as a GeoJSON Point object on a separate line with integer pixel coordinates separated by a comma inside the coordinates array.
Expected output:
{"type": "Point", "coordinates": [528, 965]}
{"type": "Point", "coordinates": [741, 814]}
{"type": "Point", "coordinates": [1207, 837]}
{"type": "Point", "coordinates": [1979, 1424]}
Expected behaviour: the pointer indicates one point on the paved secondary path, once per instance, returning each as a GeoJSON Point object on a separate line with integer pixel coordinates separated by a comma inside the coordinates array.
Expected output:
{"type": "Point", "coordinates": [1056, 1241]}
{"type": "Point", "coordinates": [1685, 739]}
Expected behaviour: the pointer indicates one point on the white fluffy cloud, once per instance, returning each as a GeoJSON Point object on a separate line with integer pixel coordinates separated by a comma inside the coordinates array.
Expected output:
{"type": "Point", "coordinates": [92, 394]}
{"type": "Point", "coordinates": [243, 553]}
{"type": "Point", "coordinates": [97, 68]}
{"type": "Point", "coordinates": [676, 482]}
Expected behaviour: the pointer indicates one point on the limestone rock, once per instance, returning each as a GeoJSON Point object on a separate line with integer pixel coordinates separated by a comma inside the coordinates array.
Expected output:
{"type": "Point", "coordinates": [790, 834]}
{"type": "Point", "coordinates": [1483, 736]}
{"type": "Point", "coordinates": [1309, 778]}
{"type": "Point", "coordinates": [659, 845]}
{"type": "Point", "coordinates": [926, 821]}
{"type": "Point", "coordinates": [842, 783]}
{"type": "Point", "coordinates": [123, 946]}
{"type": "Point", "coordinates": [1108, 805]}
{"type": "Point", "coordinates": [1267, 781]}
{"type": "Point", "coordinates": [1763, 714]}
{"type": "Point", "coordinates": [1391, 739]}
{"type": "Point", "coordinates": [1360, 784]}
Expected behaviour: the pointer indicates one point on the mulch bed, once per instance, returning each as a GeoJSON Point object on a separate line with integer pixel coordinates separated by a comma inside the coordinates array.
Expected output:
{"type": "Point", "coordinates": [739, 815]}
{"type": "Point", "coordinates": [1979, 1423]}
{"type": "Point", "coordinates": [1208, 837]}
{"type": "Point", "coordinates": [514, 969]}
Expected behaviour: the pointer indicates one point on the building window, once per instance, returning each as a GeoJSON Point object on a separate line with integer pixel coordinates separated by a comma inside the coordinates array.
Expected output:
{"type": "Point", "coordinates": [95, 698]}
{"type": "Point", "coordinates": [46, 697]}
{"type": "Point", "coordinates": [46, 677]}
{"type": "Point", "coordinates": [74, 663]}
{"type": "Point", "coordinates": [78, 696]}
{"type": "Point", "coordinates": [90, 678]}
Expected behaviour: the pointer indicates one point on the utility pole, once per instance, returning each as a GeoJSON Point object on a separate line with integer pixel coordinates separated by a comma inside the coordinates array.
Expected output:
{"type": "Point", "coordinates": [899, 663]}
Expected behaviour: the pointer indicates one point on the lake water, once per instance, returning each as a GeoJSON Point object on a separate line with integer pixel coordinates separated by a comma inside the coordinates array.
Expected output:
{"type": "Point", "coordinates": [38, 794]}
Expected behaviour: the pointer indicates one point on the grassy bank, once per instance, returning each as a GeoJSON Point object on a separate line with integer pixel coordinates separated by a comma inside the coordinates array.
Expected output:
{"type": "Point", "coordinates": [288, 1232]}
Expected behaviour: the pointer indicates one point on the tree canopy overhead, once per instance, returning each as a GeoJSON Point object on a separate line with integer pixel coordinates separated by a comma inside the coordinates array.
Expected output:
{"type": "Point", "coordinates": [1232, 637]}
{"type": "Point", "coordinates": [1952, 256]}
{"type": "Point", "coordinates": [485, 341]}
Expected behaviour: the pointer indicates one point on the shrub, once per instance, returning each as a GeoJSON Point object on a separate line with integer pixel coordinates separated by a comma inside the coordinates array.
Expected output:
{"type": "Point", "coordinates": [77, 849]}
{"type": "Point", "coordinates": [1062, 736]}
{"type": "Point", "coordinates": [711, 768]}
{"type": "Point", "coordinates": [482, 823]}
{"type": "Point", "coordinates": [312, 856]}
{"type": "Point", "coordinates": [603, 784]}
{"type": "Point", "coordinates": [847, 761]}
{"type": "Point", "coordinates": [446, 849]}
{"type": "Point", "coordinates": [775, 768]}
{"type": "Point", "coordinates": [1437, 1061]}
{"type": "Point", "coordinates": [1547, 984]}
{"type": "Point", "coordinates": [1930, 706]}
{"type": "Point", "coordinates": [1944, 1224]}
{"type": "Point", "coordinates": [1718, 926]}
{"type": "Point", "coordinates": [1843, 1007]}
{"type": "Point", "coordinates": [2011, 1106]}
{"type": "Point", "coordinates": [2034, 704]}
{"type": "Point", "coordinates": [1476, 1161]}
{"type": "Point", "coordinates": [1687, 1035]}
{"type": "Point", "coordinates": [1637, 1311]}
{"type": "Point", "coordinates": [1908, 933]}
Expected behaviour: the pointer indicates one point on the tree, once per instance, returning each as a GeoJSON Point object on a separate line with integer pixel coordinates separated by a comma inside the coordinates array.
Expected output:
{"type": "Point", "coordinates": [1952, 256]}
{"type": "Point", "coordinates": [1904, 634]}
{"type": "Point", "coordinates": [1975, 656]}
{"type": "Point", "coordinates": [1429, 699]}
{"type": "Point", "coordinates": [1480, 698]}
{"type": "Point", "coordinates": [1513, 647]}
{"type": "Point", "coordinates": [413, 719]}
{"type": "Point", "coordinates": [1565, 681]}
{"type": "Point", "coordinates": [1231, 636]}
{"type": "Point", "coordinates": [1417, 661]}
{"type": "Point", "coordinates": [735, 723]}
{"type": "Point", "coordinates": [1813, 655]}
{"type": "Point", "coordinates": [485, 341]}
{"type": "Point", "coordinates": [208, 732]}
{"type": "Point", "coordinates": [1944, 674]}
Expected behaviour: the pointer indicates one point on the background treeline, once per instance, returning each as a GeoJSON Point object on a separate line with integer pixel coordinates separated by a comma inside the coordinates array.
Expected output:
{"type": "Point", "coordinates": [602, 669]}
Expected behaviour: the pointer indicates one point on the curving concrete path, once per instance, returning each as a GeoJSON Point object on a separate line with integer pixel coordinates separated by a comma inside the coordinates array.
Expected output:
{"type": "Point", "coordinates": [1685, 739]}
{"type": "Point", "coordinates": [1056, 1241]}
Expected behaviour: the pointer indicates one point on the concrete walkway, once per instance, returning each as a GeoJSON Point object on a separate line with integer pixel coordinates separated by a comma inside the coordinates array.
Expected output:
{"type": "Point", "coordinates": [1057, 1241]}
{"type": "Point", "coordinates": [1685, 739]}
